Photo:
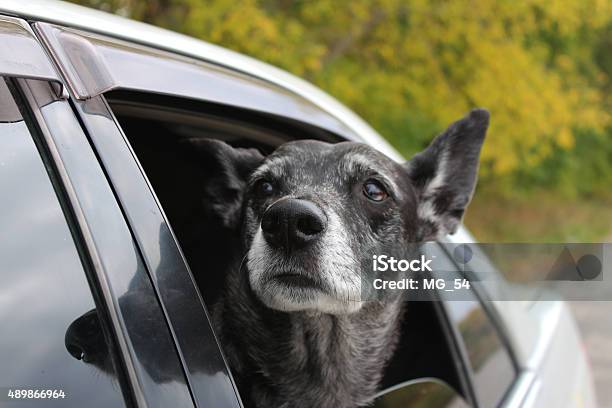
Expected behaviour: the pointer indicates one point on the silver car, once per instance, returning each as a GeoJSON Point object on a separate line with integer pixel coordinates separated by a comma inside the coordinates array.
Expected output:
{"type": "Point", "coordinates": [98, 209]}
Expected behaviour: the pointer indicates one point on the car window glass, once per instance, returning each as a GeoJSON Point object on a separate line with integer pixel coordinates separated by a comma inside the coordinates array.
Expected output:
{"type": "Point", "coordinates": [493, 371]}
{"type": "Point", "coordinates": [424, 393]}
{"type": "Point", "coordinates": [44, 288]}
{"type": "Point", "coordinates": [491, 364]}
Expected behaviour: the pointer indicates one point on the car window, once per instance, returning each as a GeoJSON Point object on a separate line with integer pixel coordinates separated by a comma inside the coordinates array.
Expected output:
{"type": "Point", "coordinates": [156, 127]}
{"type": "Point", "coordinates": [44, 287]}
{"type": "Point", "coordinates": [491, 363]}
{"type": "Point", "coordinates": [492, 367]}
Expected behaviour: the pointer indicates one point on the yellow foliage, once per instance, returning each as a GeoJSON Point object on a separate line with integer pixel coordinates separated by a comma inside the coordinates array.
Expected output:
{"type": "Point", "coordinates": [410, 67]}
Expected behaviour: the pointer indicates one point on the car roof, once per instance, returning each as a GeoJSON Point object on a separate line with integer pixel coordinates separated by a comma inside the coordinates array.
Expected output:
{"type": "Point", "coordinates": [72, 15]}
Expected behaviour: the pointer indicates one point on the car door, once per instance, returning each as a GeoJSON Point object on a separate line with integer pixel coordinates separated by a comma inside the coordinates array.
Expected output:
{"type": "Point", "coordinates": [69, 261]}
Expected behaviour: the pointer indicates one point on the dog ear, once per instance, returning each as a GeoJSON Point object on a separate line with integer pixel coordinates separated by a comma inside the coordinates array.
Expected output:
{"type": "Point", "coordinates": [444, 175]}
{"type": "Point", "coordinates": [226, 171]}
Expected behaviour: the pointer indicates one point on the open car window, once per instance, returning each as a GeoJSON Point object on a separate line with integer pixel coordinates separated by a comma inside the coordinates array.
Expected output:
{"type": "Point", "coordinates": [155, 127]}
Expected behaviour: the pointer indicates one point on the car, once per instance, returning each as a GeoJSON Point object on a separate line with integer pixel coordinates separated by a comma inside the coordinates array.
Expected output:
{"type": "Point", "coordinates": [108, 262]}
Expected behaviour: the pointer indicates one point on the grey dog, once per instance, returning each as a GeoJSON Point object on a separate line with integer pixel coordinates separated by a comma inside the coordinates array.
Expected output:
{"type": "Point", "coordinates": [292, 320]}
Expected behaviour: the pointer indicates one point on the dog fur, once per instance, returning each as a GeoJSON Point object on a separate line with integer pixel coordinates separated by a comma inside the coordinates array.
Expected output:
{"type": "Point", "coordinates": [324, 344]}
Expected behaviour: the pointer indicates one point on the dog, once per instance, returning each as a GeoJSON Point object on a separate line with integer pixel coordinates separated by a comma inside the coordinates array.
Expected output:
{"type": "Point", "coordinates": [292, 320]}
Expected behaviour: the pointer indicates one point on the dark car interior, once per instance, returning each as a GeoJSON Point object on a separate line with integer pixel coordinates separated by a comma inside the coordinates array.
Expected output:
{"type": "Point", "coordinates": [155, 127]}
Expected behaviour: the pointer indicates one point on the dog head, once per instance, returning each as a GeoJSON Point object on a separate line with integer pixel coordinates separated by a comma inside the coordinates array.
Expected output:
{"type": "Point", "coordinates": [310, 212]}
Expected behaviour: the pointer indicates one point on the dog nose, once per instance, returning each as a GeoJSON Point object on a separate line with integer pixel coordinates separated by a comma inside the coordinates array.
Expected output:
{"type": "Point", "coordinates": [292, 223]}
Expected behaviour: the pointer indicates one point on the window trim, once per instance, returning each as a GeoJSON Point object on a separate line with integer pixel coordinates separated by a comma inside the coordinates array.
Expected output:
{"type": "Point", "coordinates": [31, 61]}
{"type": "Point", "coordinates": [65, 151]}
{"type": "Point", "coordinates": [74, 216]}
{"type": "Point", "coordinates": [91, 64]}
{"type": "Point", "coordinates": [149, 225]}
{"type": "Point", "coordinates": [267, 128]}
{"type": "Point", "coordinates": [21, 93]}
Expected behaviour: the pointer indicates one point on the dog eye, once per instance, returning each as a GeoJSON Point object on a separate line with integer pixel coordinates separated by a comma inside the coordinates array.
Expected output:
{"type": "Point", "coordinates": [374, 190]}
{"type": "Point", "coordinates": [264, 188]}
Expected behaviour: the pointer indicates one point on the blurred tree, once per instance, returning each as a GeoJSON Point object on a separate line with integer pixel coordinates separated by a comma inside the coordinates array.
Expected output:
{"type": "Point", "coordinates": [410, 67]}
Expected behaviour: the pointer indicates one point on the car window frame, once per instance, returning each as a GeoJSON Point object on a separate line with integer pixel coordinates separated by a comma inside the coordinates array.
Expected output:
{"type": "Point", "coordinates": [492, 315]}
{"type": "Point", "coordinates": [88, 62]}
{"type": "Point", "coordinates": [80, 177]}
{"type": "Point", "coordinates": [458, 348]}
{"type": "Point", "coordinates": [458, 354]}
{"type": "Point", "coordinates": [28, 60]}
{"type": "Point", "coordinates": [161, 253]}
{"type": "Point", "coordinates": [486, 303]}
{"type": "Point", "coordinates": [72, 243]}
